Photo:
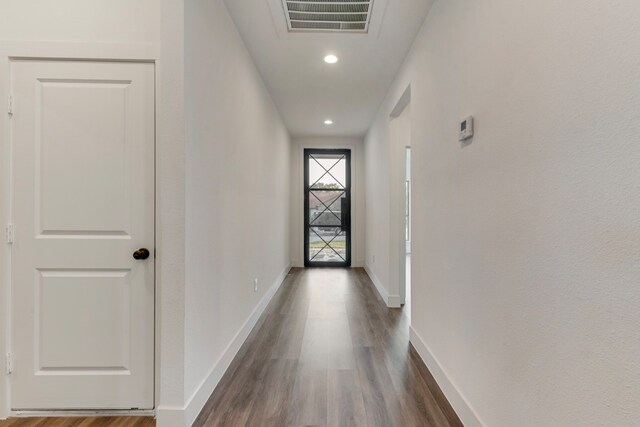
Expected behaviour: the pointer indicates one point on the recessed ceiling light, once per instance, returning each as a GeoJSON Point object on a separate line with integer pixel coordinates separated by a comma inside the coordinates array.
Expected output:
{"type": "Point", "coordinates": [330, 59]}
{"type": "Point", "coordinates": [328, 122]}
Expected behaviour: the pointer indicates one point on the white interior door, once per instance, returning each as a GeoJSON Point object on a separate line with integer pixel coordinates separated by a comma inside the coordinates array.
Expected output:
{"type": "Point", "coordinates": [83, 178]}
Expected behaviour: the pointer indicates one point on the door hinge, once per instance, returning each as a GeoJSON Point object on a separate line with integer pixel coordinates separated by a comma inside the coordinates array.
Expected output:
{"type": "Point", "coordinates": [10, 106]}
{"type": "Point", "coordinates": [10, 233]}
{"type": "Point", "coordinates": [8, 364]}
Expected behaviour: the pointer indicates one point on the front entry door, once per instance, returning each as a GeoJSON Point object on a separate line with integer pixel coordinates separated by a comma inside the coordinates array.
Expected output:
{"type": "Point", "coordinates": [327, 205]}
{"type": "Point", "coordinates": [83, 307]}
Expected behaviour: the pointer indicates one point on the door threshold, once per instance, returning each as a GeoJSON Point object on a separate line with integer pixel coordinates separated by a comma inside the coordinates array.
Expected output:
{"type": "Point", "coordinates": [84, 413]}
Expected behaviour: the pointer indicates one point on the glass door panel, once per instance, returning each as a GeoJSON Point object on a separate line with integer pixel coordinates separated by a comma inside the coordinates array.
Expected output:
{"type": "Point", "coordinates": [327, 208]}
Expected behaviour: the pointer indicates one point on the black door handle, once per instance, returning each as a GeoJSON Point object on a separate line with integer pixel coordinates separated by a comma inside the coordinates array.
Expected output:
{"type": "Point", "coordinates": [345, 215]}
{"type": "Point", "coordinates": [141, 254]}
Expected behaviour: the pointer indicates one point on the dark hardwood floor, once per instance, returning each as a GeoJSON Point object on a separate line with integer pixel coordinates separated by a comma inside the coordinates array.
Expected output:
{"type": "Point", "coordinates": [80, 422]}
{"type": "Point", "coordinates": [328, 352]}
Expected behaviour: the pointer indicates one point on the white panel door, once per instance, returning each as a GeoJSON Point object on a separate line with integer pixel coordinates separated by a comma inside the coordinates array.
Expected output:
{"type": "Point", "coordinates": [83, 178]}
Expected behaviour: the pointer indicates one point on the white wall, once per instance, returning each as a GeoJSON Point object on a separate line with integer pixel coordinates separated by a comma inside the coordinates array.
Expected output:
{"type": "Point", "coordinates": [237, 196]}
{"type": "Point", "coordinates": [378, 199]}
{"type": "Point", "coordinates": [357, 195]}
{"type": "Point", "coordinates": [526, 241]}
{"type": "Point", "coordinates": [80, 21]}
{"type": "Point", "coordinates": [113, 29]}
{"type": "Point", "coordinates": [170, 217]}
{"type": "Point", "coordinates": [384, 153]}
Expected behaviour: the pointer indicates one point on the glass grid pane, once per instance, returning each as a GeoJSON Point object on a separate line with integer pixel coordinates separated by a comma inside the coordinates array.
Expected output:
{"type": "Point", "coordinates": [327, 244]}
{"type": "Point", "coordinates": [325, 208]}
{"type": "Point", "coordinates": [327, 172]}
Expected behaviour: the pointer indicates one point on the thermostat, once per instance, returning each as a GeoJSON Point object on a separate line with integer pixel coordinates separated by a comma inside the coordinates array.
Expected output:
{"type": "Point", "coordinates": [466, 129]}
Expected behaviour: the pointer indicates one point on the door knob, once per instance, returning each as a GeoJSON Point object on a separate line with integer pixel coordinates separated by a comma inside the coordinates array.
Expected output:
{"type": "Point", "coordinates": [141, 254]}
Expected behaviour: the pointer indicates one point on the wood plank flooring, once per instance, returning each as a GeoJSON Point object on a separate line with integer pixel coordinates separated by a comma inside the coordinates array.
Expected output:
{"type": "Point", "coordinates": [328, 352]}
{"type": "Point", "coordinates": [80, 422]}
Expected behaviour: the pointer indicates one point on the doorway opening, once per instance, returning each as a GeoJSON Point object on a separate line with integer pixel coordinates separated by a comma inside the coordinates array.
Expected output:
{"type": "Point", "coordinates": [327, 208]}
{"type": "Point", "coordinates": [400, 202]}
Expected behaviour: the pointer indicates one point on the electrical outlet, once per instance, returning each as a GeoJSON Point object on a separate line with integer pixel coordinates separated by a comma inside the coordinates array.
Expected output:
{"type": "Point", "coordinates": [255, 285]}
{"type": "Point", "coordinates": [374, 259]}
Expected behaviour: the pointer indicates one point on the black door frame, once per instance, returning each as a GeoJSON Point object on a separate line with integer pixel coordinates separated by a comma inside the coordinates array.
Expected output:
{"type": "Point", "coordinates": [346, 216]}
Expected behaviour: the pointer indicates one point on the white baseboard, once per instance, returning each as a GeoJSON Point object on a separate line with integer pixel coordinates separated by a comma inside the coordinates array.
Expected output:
{"type": "Point", "coordinates": [392, 301]}
{"type": "Point", "coordinates": [395, 301]}
{"type": "Point", "coordinates": [197, 401]}
{"type": "Point", "coordinates": [460, 405]}
{"type": "Point", "coordinates": [84, 413]}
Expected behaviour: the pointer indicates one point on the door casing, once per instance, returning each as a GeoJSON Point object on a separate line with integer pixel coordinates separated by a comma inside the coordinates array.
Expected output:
{"type": "Point", "coordinates": [347, 153]}
{"type": "Point", "coordinates": [53, 51]}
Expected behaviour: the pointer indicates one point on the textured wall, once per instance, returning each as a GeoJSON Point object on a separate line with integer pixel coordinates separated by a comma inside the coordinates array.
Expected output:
{"type": "Point", "coordinates": [526, 241]}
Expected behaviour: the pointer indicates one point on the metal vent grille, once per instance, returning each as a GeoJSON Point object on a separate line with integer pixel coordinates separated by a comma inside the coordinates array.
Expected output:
{"type": "Point", "coordinates": [328, 15]}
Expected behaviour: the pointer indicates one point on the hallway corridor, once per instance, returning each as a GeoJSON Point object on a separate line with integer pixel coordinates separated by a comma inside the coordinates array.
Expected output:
{"type": "Point", "coordinates": [327, 352]}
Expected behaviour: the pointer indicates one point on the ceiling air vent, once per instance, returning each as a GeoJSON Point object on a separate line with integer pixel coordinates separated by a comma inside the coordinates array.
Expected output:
{"type": "Point", "coordinates": [328, 15]}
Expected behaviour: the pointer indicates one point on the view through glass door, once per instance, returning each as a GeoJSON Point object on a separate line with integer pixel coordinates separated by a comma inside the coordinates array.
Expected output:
{"type": "Point", "coordinates": [327, 201]}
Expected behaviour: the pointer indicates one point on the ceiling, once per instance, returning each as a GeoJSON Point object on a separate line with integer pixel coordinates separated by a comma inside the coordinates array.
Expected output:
{"type": "Point", "coordinates": [306, 90]}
